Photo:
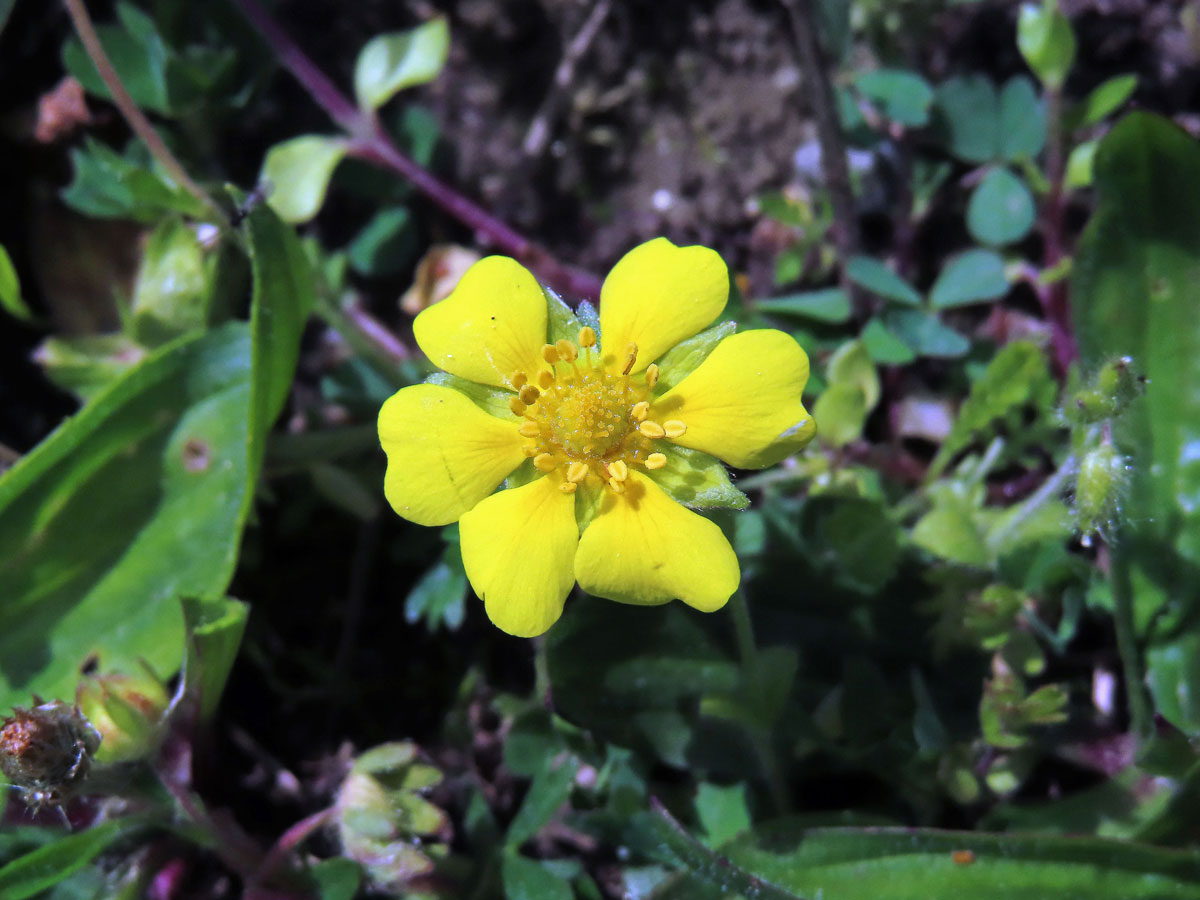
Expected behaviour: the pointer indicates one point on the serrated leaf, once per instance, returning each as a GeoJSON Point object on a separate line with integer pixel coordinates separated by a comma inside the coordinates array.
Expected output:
{"type": "Point", "coordinates": [974, 276]}
{"type": "Point", "coordinates": [685, 357]}
{"type": "Point", "coordinates": [392, 62]}
{"type": "Point", "coordinates": [299, 171]}
{"type": "Point", "coordinates": [697, 480]}
{"type": "Point", "coordinates": [108, 185]}
{"type": "Point", "coordinates": [1001, 209]}
{"type": "Point", "coordinates": [949, 531]}
{"type": "Point", "coordinates": [876, 277]}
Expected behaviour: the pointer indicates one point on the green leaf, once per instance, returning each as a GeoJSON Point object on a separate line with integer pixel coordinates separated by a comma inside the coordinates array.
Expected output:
{"type": "Point", "coordinates": [561, 321]}
{"type": "Point", "coordinates": [949, 530]}
{"type": "Point", "coordinates": [685, 357]}
{"type": "Point", "coordinates": [88, 364]}
{"type": "Point", "coordinates": [1173, 672]}
{"type": "Point", "coordinates": [136, 52]}
{"type": "Point", "coordinates": [108, 185]}
{"type": "Point", "coordinates": [137, 500]}
{"type": "Point", "coordinates": [392, 62]}
{"type": "Point", "coordinates": [10, 290]}
{"type": "Point", "coordinates": [279, 307]}
{"type": "Point", "coordinates": [214, 629]}
{"type": "Point", "coordinates": [1001, 209]}
{"type": "Point", "coordinates": [46, 866]}
{"type": "Point", "coordinates": [491, 400]}
{"type": "Point", "coordinates": [1080, 166]}
{"type": "Point", "coordinates": [174, 284]}
{"type": "Point", "coordinates": [386, 244]}
{"type": "Point", "coordinates": [968, 118]}
{"type": "Point", "coordinates": [723, 812]}
{"type": "Point", "coordinates": [876, 277]}
{"type": "Point", "coordinates": [840, 413]}
{"type": "Point", "coordinates": [550, 788]}
{"type": "Point", "coordinates": [851, 364]}
{"type": "Point", "coordinates": [1103, 101]}
{"type": "Point", "coordinates": [885, 348]}
{"type": "Point", "coordinates": [829, 305]}
{"type": "Point", "coordinates": [925, 335]}
{"type": "Point", "coordinates": [697, 480]}
{"type": "Point", "coordinates": [973, 276]}
{"type": "Point", "coordinates": [527, 879]}
{"type": "Point", "coordinates": [903, 96]}
{"type": "Point", "coordinates": [1022, 120]}
{"type": "Point", "coordinates": [439, 594]}
{"type": "Point", "coordinates": [337, 878]}
{"type": "Point", "coordinates": [854, 538]}
{"type": "Point", "coordinates": [1135, 292]}
{"type": "Point", "coordinates": [6, 7]}
{"type": "Point", "coordinates": [299, 171]}
{"type": "Point", "coordinates": [1047, 41]}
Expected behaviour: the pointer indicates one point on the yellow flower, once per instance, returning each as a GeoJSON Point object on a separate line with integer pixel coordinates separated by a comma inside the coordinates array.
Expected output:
{"type": "Point", "coordinates": [598, 443]}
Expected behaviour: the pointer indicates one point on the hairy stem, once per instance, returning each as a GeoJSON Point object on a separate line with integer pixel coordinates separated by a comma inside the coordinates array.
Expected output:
{"type": "Point", "coordinates": [1140, 713]}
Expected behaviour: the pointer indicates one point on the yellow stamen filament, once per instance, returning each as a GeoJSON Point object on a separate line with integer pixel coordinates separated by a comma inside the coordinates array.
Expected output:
{"type": "Point", "coordinates": [545, 378]}
{"type": "Point", "coordinates": [652, 429]}
{"type": "Point", "coordinates": [631, 352]}
{"type": "Point", "coordinates": [550, 353]}
{"type": "Point", "coordinates": [518, 380]}
{"type": "Point", "coordinates": [577, 471]}
{"type": "Point", "coordinates": [656, 460]}
{"type": "Point", "coordinates": [617, 486]}
{"type": "Point", "coordinates": [545, 462]}
{"type": "Point", "coordinates": [529, 429]}
{"type": "Point", "coordinates": [568, 487]}
{"type": "Point", "coordinates": [651, 375]}
{"type": "Point", "coordinates": [618, 470]}
{"type": "Point", "coordinates": [567, 351]}
{"type": "Point", "coordinates": [529, 394]}
{"type": "Point", "coordinates": [515, 404]}
{"type": "Point", "coordinates": [674, 428]}
{"type": "Point", "coordinates": [640, 410]}
{"type": "Point", "coordinates": [587, 336]}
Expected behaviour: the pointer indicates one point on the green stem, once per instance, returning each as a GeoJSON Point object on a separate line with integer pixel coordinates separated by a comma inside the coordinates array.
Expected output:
{"type": "Point", "coordinates": [706, 864]}
{"type": "Point", "coordinates": [1140, 714]}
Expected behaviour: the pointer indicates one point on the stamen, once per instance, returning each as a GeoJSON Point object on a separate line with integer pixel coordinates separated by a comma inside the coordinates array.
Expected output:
{"type": "Point", "coordinates": [568, 487]}
{"type": "Point", "coordinates": [640, 410]}
{"type": "Point", "coordinates": [529, 429]}
{"type": "Point", "coordinates": [656, 460]}
{"type": "Point", "coordinates": [577, 471]}
{"type": "Point", "coordinates": [550, 353]}
{"type": "Point", "coordinates": [674, 428]}
{"type": "Point", "coordinates": [529, 394]}
{"type": "Point", "coordinates": [545, 462]}
{"type": "Point", "coordinates": [618, 470]}
{"type": "Point", "coordinates": [652, 375]}
{"type": "Point", "coordinates": [515, 404]}
{"type": "Point", "coordinates": [631, 357]}
{"type": "Point", "coordinates": [530, 450]}
{"type": "Point", "coordinates": [518, 380]}
{"type": "Point", "coordinates": [587, 336]}
{"type": "Point", "coordinates": [567, 351]}
{"type": "Point", "coordinates": [545, 378]}
{"type": "Point", "coordinates": [652, 429]}
{"type": "Point", "coordinates": [617, 486]}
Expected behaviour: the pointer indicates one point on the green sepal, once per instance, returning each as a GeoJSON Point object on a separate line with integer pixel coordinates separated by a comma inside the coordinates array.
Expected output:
{"type": "Point", "coordinates": [561, 321]}
{"type": "Point", "coordinates": [493, 401]}
{"type": "Point", "coordinates": [697, 480]}
{"type": "Point", "coordinates": [685, 357]}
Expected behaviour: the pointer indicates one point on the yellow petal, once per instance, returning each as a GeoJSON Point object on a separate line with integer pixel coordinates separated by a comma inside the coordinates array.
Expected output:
{"type": "Point", "coordinates": [444, 453]}
{"type": "Point", "coordinates": [493, 324]}
{"type": "Point", "coordinates": [518, 547]}
{"type": "Point", "coordinates": [645, 548]}
{"type": "Point", "coordinates": [742, 404]}
{"type": "Point", "coordinates": [658, 295]}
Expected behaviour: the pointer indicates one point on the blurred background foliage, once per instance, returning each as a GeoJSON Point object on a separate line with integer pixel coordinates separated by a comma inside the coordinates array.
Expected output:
{"type": "Point", "coordinates": [964, 659]}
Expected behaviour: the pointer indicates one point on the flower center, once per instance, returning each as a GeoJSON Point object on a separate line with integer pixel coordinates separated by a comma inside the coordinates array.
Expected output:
{"type": "Point", "coordinates": [586, 420]}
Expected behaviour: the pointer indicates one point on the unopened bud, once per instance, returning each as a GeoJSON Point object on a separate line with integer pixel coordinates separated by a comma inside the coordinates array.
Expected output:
{"type": "Point", "coordinates": [127, 711]}
{"type": "Point", "coordinates": [1098, 488]}
{"type": "Point", "coordinates": [1115, 386]}
{"type": "Point", "coordinates": [46, 751]}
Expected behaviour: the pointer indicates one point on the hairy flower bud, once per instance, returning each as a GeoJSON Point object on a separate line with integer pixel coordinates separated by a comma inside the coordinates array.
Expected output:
{"type": "Point", "coordinates": [1098, 488]}
{"type": "Point", "coordinates": [46, 751]}
{"type": "Point", "coordinates": [1115, 386]}
{"type": "Point", "coordinates": [126, 710]}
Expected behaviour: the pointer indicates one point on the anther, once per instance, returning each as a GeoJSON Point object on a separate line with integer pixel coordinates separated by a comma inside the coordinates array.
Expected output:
{"type": "Point", "coordinates": [545, 378]}
{"type": "Point", "coordinates": [529, 429]}
{"type": "Point", "coordinates": [618, 470]}
{"type": "Point", "coordinates": [587, 336]}
{"type": "Point", "coordinates": [518, 380]}
{"type": "Point", "coordinates": [652, 374]}
{"type": "Point", "coordinates": [515, 404]}
{"type": "Point", "coordinates": [545, 462]}
{"type": "Point", "coordinates": [617, 486]}
{"type": "Point", "coordinates": [640, 410]}
{"type": "Point", "coordinates": [530, 450]}
{"type": "Point", "coordinates": [550, 353]}
{"type": "Point", "coordinates": [674, 428]}
{"type": "Point", "coordinates": [568, 487]}
{"type": "Point", "coordinates": [567, 351]}
{"type": "Point", "coordinates": [529, 394]}
{"type": "Point", "coordinates": [630, 358]}
{"type": "Point", "coordinates": [652, 429]}
{"type": "Point", "coordinates": [656, 460]}
{"type": "Point", "coordinates": [577, 471]}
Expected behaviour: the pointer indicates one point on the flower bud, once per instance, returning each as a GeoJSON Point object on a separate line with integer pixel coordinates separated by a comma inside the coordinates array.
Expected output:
{"type": "Point", "coordinates": [1115, 386]}
{"type": "Point", "coordinates": [1098, 488]}
{"type": "Point", "coordinates": [127, 711]}
{"type": "Point", "coordinates": [46, 751]}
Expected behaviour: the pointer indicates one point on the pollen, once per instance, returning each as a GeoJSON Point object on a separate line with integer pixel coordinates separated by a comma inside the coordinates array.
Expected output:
{"type": "Point", "coordinates": [618, 470]}
{"type": "Point", "coordinates": [545, 462]}
{"type": "Point", "coordinates": [577, 471]}
{"type": "Point", "coordinates": [550, 354]}
{"type": "Point", "coordinates": [529, 394]}
{"type": "Point", "coordinates": [515, 404]}
{"type": "Point", "coordinates": [545, 378]}
{"type": "Point", "coordinates": [568, 487]}
{"type": "Point", "coordinates": [567, 351]}
{"type": "Point", "coordinates": [529, 429]}
{"type": "Point", "coordinates": [518, 380]}
{"type": "Point", "coordinates": [640, 410]}
{"type": "Point", "coordinates": [652, 429]}
{"type": "Point", "coordinates": [651, 375]}
{"type": "Point", "coordinates": [674, 428]}
{"type": "Point", "coordinates": [587, 337]}
{"type": "Point", "coordinates": [656, 460]}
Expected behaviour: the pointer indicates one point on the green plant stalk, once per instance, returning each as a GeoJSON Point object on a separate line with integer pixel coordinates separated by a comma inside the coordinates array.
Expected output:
{"type": "Point", "coordinates": [708, 865]}
{"type": "Point", "coordinates": [1140, 714]}
{"type": "Point", "coordinates": [135, 118]}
